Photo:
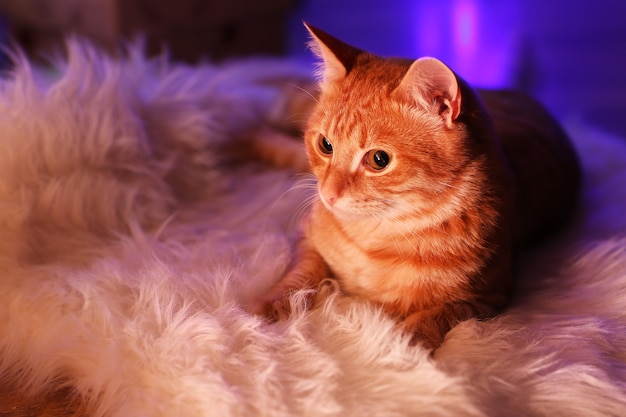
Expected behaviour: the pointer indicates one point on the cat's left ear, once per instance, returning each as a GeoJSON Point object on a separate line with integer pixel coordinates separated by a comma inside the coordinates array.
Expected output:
{"type": "Point", "coordinates": [338, 57]}
{"type": "Point", "coordinates": [432, 84]}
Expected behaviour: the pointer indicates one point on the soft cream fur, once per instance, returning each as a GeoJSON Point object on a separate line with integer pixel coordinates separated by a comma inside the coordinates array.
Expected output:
{"type": "Point", "coordinates": [126, 256]}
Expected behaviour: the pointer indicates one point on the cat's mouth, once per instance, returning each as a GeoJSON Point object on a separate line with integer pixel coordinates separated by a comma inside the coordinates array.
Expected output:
{"type": "Point", "coordinates": [338, 207]}
{"type": "Point", "coordinates": [334, 205]}
{"type": "Point", "coordinates": [347, 209]}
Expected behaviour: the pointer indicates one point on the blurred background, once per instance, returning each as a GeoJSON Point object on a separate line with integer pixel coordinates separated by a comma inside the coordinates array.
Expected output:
{"type": "Point", "coordinates": [569, 54]}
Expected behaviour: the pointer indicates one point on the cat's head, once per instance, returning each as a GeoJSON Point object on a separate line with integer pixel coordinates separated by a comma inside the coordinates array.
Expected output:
{"type": "Point", "coordinates": [385, 139]}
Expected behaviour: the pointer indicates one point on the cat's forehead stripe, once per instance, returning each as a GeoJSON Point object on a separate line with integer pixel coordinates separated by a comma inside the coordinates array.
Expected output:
{"type": "Point", "coordinates": [351, 124]}
{"type": "Point", "coordinates": [349, 136]}
{"type": "Point", "coordinates": [356, 162]}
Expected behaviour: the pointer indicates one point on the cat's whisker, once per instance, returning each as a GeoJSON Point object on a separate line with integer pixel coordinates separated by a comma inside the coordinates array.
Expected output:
{"type": "Point", "coordinates": [381, 214]}
{"type": "Point", "coordinates": [305, 91]}
{"type": "Point", "coordinates": [306, 203]}
{"type": "Point", "coordinates": [306, 182]}
{"type": "Point", "coordinates": [301, 184]}
{"type": "Point", "coordinates": [411, 238]}
{"type": "Point", "coordinates": [409, 235]}
{"type": "Point", "coordinates": [304, 206]}
{"type": "Point", "coordinates": [304, 179]}
{"type": "Point", "coordinates": [396, 244]}
{"type": "Point", "coordinates": [449, 186]}
{"type": "Point", "coordinates": [299, 119]}
{"type": "Point", "coordinates": [439, 228]}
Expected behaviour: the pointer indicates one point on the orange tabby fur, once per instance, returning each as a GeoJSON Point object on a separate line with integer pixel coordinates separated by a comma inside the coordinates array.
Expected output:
{"type": "Point", "coordinates": [429, 237]}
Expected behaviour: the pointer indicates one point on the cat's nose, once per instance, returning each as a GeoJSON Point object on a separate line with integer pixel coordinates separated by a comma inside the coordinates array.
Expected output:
{"type": "Point", "coordinates": [331, 191]}
{"type": "Point", "coordinates": [329, 196]}
{"type": "Point", "coordinates": [330, 199]}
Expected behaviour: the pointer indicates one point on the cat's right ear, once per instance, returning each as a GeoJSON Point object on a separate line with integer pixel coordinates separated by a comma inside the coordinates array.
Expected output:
{"type": "Point", "coordinates": [432, 84]}
{"type": "Point", "coordinates": [337, 57]}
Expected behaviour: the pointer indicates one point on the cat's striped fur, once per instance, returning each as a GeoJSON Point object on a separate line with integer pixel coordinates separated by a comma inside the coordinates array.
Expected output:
{"type": "Point", "coordinates": [422, 197]}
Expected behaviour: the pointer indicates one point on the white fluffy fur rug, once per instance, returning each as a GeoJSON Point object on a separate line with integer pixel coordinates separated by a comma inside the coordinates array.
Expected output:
{"type": "Point", "coordinates": [126, 255]}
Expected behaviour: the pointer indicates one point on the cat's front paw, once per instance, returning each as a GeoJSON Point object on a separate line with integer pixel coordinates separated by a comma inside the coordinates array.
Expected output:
{"type": "Point", "coordinates": [429, 327]}
{"type": "Point", "coordinates": [325, 289]}
{"type": "Point", "coordinates": [281, 305]}
{"type": "Point", "coordinates": [272, 308]}
{"type": "Point", "coordinates": [426, 329]}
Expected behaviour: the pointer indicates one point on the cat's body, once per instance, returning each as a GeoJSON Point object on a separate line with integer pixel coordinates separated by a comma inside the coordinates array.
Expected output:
{"type": "Point", "coordinates": [422, 198]}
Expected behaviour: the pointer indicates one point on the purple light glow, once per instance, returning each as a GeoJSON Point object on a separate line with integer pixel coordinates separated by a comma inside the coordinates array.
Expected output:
{"type": "Point", "coordinates": [478, 39]}
{"type": "Point", "coordinates": [465, 26]}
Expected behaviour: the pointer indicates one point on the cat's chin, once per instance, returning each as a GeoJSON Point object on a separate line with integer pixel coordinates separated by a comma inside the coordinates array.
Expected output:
{"type": "Point", "coordinates": [348, 215]}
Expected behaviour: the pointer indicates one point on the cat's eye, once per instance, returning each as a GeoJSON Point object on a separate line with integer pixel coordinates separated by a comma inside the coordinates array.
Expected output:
{"type": "Point", "coordinates": [377, 159]}
{"type": "Point", "coordinates": [325, 145]}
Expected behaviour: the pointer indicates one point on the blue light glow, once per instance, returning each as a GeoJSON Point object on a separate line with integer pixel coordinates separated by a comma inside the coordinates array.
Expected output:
{"type": "Point", "coordinates": [479, 39]}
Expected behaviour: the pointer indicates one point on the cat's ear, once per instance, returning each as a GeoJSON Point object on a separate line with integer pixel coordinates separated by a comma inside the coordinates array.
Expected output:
{"type": "Point", "coordinates": [337, 57]}
{"type": "Point", "coordinates": [432, 84]}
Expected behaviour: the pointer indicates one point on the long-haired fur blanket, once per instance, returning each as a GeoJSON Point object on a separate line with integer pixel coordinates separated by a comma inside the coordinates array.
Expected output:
{"type": "Point", "coordinates": [129, 250]}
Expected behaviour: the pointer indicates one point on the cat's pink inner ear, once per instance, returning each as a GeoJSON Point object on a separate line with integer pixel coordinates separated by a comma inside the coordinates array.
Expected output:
{"type": "Point", "coordinates": [337, 56]}
{"type": "Point", "coordinates": [429, 81]}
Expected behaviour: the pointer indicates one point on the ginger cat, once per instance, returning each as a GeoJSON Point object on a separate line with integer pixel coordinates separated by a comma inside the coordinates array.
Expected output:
{"type": "Point", "coordinates": [425, 189]}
